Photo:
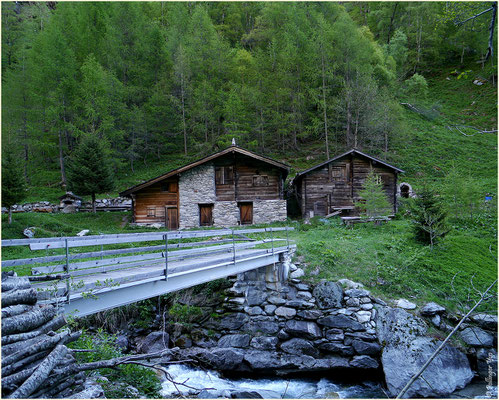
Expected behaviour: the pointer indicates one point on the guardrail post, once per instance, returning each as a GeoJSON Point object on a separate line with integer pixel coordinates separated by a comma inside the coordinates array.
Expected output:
{"type": "Point", "coordinates": [272, 239]}
{"type": "Point", "coordinates": [166, 255]}
{"type": "Point", "coordinates": [287, 238]}
{"type": "Point", "coordinates": [66, 267]}
{"type": "Point", "coordinates": [233, 247]}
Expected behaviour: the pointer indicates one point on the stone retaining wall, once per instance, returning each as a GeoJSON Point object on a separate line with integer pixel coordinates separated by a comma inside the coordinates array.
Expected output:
{"type": "Point", "coordinates": [119, 203]}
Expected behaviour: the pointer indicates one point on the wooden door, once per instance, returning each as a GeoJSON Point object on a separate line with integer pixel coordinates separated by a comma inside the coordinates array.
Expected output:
{"type": "Point", "coordinates": [206, 214]}
{"type": "Point", "coordinates": [171, 218]}
{"type": "Point", "coordinates": [246, 213]}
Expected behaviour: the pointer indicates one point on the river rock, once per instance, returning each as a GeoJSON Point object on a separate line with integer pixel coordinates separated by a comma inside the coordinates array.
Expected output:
{"type": "Point", "coordinates": [255, 297]}
{"type": "Point", "coordinates": [431, 309]}
{"type": "Point", "coordinates": [405, 304]}
{"type": "Point", "coordinates": [485, 321]}
{"type": "Point", "coordinates": [347, 283]}
{"type": "Point", "coordinates": [264, 342]}
{"type": "Point", "coordinates": [304, 295]}
{"type": "Point", "coordinates": [268, 326]}
{"type": "Point", "coordinates": [406, 350]}
{"type": "Point", "coordinates": [474, 336]}
{"type": "Point", "coordinates": [278, 301]}
{"type": "Point", "coordinates": [282, 335]}
{"type": "Point", "coordinates": [299, 346]}
{"type": "Point", "coordinates": [328, 295]}
{"type": "Point", "coordinates": [332, 362]}
{"type": "Point", "coordinates": [254, 394]}
{"type": "Point", "coordinates": [336, 347]}
{"type": "Point", "coordinates": [366, 348]}
{"type": "Point", "coordinates": [357, 293]}
{"type": "Point", "coordinates": [304, 329]}
{"type": "Point", "coordinates": [298, 273]}
{"type": "Point", "coordinates": [364, 362]}
{"type": "Point", "coordinates": [285, 312]}
{"type": "Point", "coordinates": [155, 341]}
{"type": "Point", "coordinates": [341, 322]}
{"type": "Point", "coordinates": [269, 309]}
{"type": "Point", "coordinates": [233, 321]}
{"type": "Point", "coordinates": [309, 314]}
{"type": "Point", "coordinates": [122, 342]}
{"type": "Point", "coordinates": [236, 340]}
{"type": "Point", "coordinates": [335, 335]}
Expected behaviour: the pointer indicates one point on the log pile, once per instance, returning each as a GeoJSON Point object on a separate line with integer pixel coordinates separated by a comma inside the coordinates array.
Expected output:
{"type": "Point", "coordinates": [35, 360]}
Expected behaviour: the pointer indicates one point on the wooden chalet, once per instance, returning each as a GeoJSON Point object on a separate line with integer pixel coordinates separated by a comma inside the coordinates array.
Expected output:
{"type": "Point", "coordinates": [333, 187]}
{"type": "Point", "coordinates": [234, 186]}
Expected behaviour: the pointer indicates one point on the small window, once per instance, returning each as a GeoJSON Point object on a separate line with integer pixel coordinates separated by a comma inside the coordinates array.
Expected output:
{"type": "Point", "coordinates": [337, 172]}
{"type": "Point", "coordinates": [260, 180]}
{"type": "Point", "coordinates": [151, 212]}
{"type": "Point", "coordinates": [224, 175]}
{"type": "Point", "coordinates": [169, 187]}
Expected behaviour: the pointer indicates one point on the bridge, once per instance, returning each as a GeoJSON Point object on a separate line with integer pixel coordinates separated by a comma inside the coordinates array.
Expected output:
{"type": "Point", "coordinates": [88, 274]}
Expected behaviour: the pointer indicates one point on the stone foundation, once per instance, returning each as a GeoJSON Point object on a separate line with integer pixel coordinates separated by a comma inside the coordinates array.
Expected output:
{"type": "Point", "coordinates": [265, 211]}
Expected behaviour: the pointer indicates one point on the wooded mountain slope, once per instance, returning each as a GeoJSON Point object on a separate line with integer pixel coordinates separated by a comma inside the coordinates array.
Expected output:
{"type": "Point", "coordinates": [300, 82]}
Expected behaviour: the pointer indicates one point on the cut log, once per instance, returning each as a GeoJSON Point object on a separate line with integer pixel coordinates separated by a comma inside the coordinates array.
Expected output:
{"type": "Point", "coordinates": [41, 373]}
{"type": "Point", "coordinates": [52, 325]}
{"type": "Point", "coordinates": [25, 362]}
{"type": "Point", "coordinates": [50, 342]}
{"type": "Point", "coordinates": [12, 348]}
{"type": "Point", "coordinates": [15, 310]}
{"type": "Point", "coordinates": [15, 284]}
{"type": "Point", "coordinates": [28, 321]}
{"type": "Point", "coordinates": [27, 296]}
{"type": "Point", "coordinates": [55, 387]}
{"type": "Point", "coordinates": [12, 382]}
{"type": "Point", "coordinates": [89, 393]}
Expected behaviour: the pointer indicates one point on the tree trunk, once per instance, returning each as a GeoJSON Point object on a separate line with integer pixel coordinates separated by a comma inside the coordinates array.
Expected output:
{"type": "Point", "coordinates": [490, 50]}
{"type": "Point", "coordinates": [28, 321]}
{"type": "Point", "coordinates": [41, 373]}
{"type": "Point", "coordinates": [349, 119]}
{"type": "Point", "coordinates": [326, 134]}
{"type": "Point", "coordinates": [94, 210]}
{"type": "Point", "coordinates": [51, 325]}
{"type": "Point", "coordinates": [27, 296]}
{"type": "Point", "coordinates": [15, 283]}
{"type": "Point", "coordinates": [183, 113]}
{"type": "Point", "coordinates": [61, 162]}
{"type": "Point", "coordinates": [15, 310]}
{"type": "Point", "coordinates": [391, 22]}
{"type": "Point", "coordinates": [24, 363]}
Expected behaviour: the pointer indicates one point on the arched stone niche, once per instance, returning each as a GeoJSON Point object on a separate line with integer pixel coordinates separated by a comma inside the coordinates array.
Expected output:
{"type": "Point", "coordinates": [404, 190]}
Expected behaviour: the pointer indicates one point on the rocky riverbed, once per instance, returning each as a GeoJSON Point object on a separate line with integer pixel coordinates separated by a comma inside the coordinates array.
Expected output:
{"type": "Point", "coordinates": [335, 330]}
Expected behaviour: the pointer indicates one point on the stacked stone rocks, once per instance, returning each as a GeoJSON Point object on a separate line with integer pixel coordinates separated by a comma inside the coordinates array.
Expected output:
{"type": "Point", "coordinates": [268, 327]}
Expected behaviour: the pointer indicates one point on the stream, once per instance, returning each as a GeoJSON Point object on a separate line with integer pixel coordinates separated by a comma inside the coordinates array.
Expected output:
{"type": "Point", "coordinates": [273, 387]}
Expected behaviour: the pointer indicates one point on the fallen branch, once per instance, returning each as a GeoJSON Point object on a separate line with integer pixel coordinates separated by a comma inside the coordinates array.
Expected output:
{"type": "Point", "coordinates": [439, 349]}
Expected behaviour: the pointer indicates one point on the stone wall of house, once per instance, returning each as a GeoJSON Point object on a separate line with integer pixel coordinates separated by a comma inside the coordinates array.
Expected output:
{"type": "Point", "coordinates": [225, 213]}
{"type": "Point", "coordinates": [195, 186]}
{"type": "Point", "coordinates": [265, 211]}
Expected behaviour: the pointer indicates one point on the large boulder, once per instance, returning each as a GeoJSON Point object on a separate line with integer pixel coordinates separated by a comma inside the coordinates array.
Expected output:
{"type": "Point", "coordinates": [476, 337]}
{"type": "Point", "coordinates": [328, 295]}
{"type": "Point", "coordinates": [405, 350]}
{"type": "Point", "coordinates": [154, 342]}
{"type": "Point", "coordinates": [485, 321]}
{"type": "Point", "coordinates": [303, 329]}
{"type": "Point", "coordinates": [431, 309]}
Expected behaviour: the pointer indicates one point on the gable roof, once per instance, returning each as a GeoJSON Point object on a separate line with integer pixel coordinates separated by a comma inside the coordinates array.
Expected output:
{"type": "Point", "coordinates": [231, 149]}
{"type": "Point", "coordinates": [352, 151]}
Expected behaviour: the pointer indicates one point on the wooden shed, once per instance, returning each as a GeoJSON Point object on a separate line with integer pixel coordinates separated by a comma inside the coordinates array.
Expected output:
{"type": "Point", "coordinates": [334, 185]}
{"type": "Point", "coordinates": [234, 186]}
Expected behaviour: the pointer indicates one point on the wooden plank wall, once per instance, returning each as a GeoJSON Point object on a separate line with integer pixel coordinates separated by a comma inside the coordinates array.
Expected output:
{"type": "Point", "coordinates": [243, 189]}
{"type": "Point", "coordinates": [338, 184]}
{"type": "Point", "coordinates": [153, 196]}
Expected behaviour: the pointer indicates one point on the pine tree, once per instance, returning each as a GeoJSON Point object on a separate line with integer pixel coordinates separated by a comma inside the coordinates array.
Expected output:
{"type": "Point", "coordinates": [375, 202]}
{"type": "Point", "coordinates": [428, 217]}
{"type": "Point", "coordinates": [13, 182]}
{"type": "Point", "coordinates": [89, 169]}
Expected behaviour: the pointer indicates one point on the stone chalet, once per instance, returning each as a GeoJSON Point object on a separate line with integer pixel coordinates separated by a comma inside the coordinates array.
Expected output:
{"type": "Point", "coordinates": [232, 187]}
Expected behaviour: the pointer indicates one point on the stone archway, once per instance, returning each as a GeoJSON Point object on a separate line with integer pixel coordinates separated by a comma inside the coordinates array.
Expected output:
{"type": "Point", "coordinates": [404, 190]}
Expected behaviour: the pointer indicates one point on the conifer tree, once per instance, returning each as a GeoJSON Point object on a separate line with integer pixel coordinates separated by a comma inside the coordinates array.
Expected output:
{"type": "Point", "coordinates": [375, 202]}
{"type": "Point", "coordinates": [89, 169]}
{"type": "Point", "coordinates": [428, 217]}
{"type": "Point", "coordinates": [13, 182]}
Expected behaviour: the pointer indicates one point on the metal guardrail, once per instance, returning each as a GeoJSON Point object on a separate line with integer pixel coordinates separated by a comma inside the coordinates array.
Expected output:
{"type": "Point", "coordinates": [179, 253]}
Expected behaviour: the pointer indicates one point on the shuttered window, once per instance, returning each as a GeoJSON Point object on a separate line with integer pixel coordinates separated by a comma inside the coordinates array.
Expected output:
{"type": "Point", "coordinates": [260, 180]}
{"type": "Point", "coordinates": [151, 211]}
{"type": "Point", "coordinates": [170, 187]}
{"type": "Point", "coordinates": [224, 175]}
